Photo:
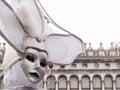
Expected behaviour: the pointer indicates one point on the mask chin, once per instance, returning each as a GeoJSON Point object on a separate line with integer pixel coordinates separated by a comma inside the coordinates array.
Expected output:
{"type": "Point", "coordinates": [36, 77]}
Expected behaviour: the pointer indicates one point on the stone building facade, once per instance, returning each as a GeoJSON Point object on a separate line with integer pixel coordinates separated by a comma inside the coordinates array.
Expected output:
{"type": "Point", "coordinates": [95, 69]}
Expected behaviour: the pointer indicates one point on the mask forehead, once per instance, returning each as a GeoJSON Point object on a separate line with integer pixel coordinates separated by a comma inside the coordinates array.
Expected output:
{"type": "Point", "coordinates": [38, 53]}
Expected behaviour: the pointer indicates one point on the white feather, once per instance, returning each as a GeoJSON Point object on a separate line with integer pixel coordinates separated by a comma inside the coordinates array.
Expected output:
{"type": "Point", "coordinates": [30, 17]}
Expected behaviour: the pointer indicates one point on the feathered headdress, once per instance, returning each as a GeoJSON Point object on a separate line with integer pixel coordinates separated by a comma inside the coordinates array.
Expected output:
{"type": "Point", "coordinates": [22, 25]}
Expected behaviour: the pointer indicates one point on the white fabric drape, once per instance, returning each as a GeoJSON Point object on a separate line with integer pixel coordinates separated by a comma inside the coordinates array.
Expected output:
{"type": "Point", "coordinates": [14, 78]}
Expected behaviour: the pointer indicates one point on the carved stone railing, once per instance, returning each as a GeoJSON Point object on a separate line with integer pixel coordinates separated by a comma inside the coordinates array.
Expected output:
{"type": "Point", "coordinates": [112, 51]}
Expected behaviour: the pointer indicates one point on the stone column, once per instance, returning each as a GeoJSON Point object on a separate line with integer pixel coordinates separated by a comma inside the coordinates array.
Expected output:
{"type": "Point", "coordinates": [80, 85]}
{"type": "Point", "coordinates": [103, 86]}
{"type": "Point", "coordinates": [91, 85]}
{"type": "Point", "coordinates": [114, 85]}
{"type": "Point", "coordinates": [45, 84]}
{"type": "Point", "coordinates": [56, 85]}
{"type": "Point", "coordinates": [68, 85]}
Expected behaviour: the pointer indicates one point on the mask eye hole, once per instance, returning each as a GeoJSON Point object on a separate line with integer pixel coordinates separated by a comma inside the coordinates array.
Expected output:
{"type": "Point", "coordinates": [43, 64]}
{"type": "Point", "coordinates": [30, 58]}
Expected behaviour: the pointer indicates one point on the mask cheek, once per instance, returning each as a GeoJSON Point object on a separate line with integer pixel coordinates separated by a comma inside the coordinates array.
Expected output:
{"type": "Point", "coordinates": [41, 72]}
{"type": "Point", "coordinates": [27, 66]}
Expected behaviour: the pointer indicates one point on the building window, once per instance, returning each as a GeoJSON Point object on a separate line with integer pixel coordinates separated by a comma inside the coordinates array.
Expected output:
{"type": "Point", "coordinates": [118, 82]}
{"type": "Point", "coordinates": [97, 85]}
{"type": "Point", "coordinates": [118, 65]}
{"type": "Point", "coordinates": [96, 65]}
{"type": "Point", "coordinates": [51, 66]}
{"type": "Point", "coordinates": [107, 65]}
{"type": "Point", "coordinates": [74, 83]}
{"type": "Point", "coordinates": [85, 83]}
{"type": "Point", "coordinates": [62, 66]}
{"type": "Point", "coordinates": [108, 83]}
{"type": "Point", "coordinates": [62, 83]}
{"type": "Point", "coordinates": [73, 65]}
{"type": "Point", "coordinates": [85, 65]}
{"type": "Point", "coordinates": [51, 83]}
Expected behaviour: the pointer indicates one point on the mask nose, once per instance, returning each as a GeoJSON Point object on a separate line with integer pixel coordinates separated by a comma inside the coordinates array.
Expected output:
{"type": "Point", "coordinates": [40, 64]}
{"type": "Point", "coordinates": [37, 64]}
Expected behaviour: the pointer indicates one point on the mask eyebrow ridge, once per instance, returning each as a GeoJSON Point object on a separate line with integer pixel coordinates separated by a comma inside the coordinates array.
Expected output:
{"type": "Point", "coordinates": [38, 50]}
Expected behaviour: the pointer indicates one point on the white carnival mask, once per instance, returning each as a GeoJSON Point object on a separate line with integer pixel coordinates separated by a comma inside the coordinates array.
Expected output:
{"type": "Point", "coordinates": [34, 64]}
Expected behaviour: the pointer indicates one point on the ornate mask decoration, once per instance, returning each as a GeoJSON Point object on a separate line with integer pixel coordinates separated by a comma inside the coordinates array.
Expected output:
{"type": "Point", "coordinates": [23, 26]}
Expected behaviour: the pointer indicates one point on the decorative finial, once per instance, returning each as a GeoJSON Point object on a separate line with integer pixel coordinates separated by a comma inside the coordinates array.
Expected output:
{"type": "Point", "coordinates": [101, 47]}
{"type": "Point", "coordinates": [90, 47]}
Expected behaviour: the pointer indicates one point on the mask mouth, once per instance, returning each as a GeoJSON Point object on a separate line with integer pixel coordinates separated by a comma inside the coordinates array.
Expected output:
{"type": "Point", "coordinates": [34, 75]}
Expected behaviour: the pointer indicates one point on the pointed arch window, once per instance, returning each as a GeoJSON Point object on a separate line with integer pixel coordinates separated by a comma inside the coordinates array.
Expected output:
{"type": "Point", "coordinates": [51, 83]}
{"type": "Point", "coordinates": [97, 85]}
{"type": "Point", "coordinates": [74, 83]}
{"type": "Point", "coordinates": [62, 83]}
{"type": "Point", "coordinates": [85, 83]}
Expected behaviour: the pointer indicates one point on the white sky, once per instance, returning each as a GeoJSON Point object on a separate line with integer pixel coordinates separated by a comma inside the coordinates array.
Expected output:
{"type": "Point", "coordinates": [93, 21]}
